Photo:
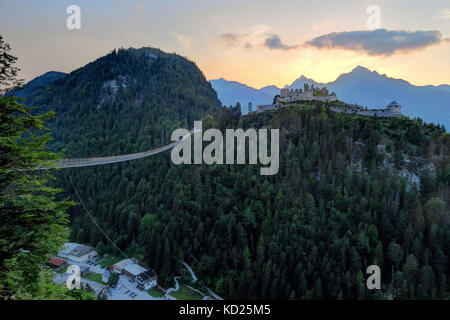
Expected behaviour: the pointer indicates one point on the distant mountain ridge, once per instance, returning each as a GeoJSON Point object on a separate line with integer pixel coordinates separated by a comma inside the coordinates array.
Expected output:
{"type": "Point", "coordinates": [231, 92]}
{"type": "Point", "coordinates": [361, 86]}
{"type": "Point", "coordinates": [38, 83]}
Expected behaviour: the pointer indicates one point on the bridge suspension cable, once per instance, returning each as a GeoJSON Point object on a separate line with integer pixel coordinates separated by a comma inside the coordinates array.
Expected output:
{"type": "Point", "coordinates": [85, 162]}
{"type": "Point", "coordinates": [92, 218]}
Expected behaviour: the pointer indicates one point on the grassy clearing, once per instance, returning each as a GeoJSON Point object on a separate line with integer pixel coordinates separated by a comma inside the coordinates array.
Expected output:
{"type": "Point", "coordinates": [109, 261]}
{"type": "Point", "coordinates": [94, 277]}
{"type": "Point", "coordinates": [155, 293]}
{"type": "Point", "coordinates": [184, 293]}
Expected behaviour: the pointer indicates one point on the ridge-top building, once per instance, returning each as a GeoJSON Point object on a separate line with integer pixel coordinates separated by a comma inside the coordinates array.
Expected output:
{"type": "Point", "coordinates": [394, 107]}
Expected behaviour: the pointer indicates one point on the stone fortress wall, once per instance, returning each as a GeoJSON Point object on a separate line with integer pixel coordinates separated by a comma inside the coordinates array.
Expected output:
{"type": "Point", "coordinates": [392, 110]}
{"type": "Point", "coordinates": [307, 94]}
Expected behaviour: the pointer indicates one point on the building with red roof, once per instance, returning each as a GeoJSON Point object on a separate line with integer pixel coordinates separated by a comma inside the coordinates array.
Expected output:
{"type": "Point", "coordinates": [57, 262]}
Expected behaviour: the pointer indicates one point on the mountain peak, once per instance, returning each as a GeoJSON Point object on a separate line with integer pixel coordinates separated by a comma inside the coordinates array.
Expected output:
{"type": "Point", "coordinates": [361, 69]}
{"type": "Point", "coordinates": [299, 82]}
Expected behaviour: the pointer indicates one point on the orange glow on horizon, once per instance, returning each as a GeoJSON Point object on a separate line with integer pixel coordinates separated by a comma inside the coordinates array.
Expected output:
{"type": "Point", "coordinates": [325, 66]}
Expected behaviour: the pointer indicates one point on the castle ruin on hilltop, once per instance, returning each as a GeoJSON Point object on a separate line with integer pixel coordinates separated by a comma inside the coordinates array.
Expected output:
{"type": "Point", "coordinates": [291, 95]}
{"type": "Point", "coordinates": [321, 94]}
{"type": "Point", "coordinates": [307, 94]}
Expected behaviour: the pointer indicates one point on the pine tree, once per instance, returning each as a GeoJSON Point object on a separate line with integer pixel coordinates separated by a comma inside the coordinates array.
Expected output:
{"type": "Point", "coordinates": [8, 72]}
{"type": "Point", "coordinates": [32, 222]}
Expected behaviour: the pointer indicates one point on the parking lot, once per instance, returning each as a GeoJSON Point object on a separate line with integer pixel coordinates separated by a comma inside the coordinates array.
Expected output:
{"type": "Point", "coordinates": [92, 264]}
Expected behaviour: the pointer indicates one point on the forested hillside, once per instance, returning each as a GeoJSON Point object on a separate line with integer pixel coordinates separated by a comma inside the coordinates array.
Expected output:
{"type": "Point", "coordinates": [351, 191]}
{"type": "Point", "coordinates": [126, 101]}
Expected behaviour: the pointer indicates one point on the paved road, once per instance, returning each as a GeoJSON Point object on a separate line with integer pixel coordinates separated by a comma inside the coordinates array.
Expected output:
{"type": "Point", "coordinates": [174, 289]}
{"type": "Point", "coordinates": [62, 278]}
{"type": "Point", "coordinates": [194, 277]}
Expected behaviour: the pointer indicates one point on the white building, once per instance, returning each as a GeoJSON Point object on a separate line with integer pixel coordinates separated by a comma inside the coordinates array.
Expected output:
{"type": "Point", "coordinates": [77, 252]}
{"type": "Point", "coordinates": [147, 280]}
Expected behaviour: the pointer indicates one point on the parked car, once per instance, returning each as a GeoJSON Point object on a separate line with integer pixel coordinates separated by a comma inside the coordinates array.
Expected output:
{"type": "Point", "coordinates": [118, 286]}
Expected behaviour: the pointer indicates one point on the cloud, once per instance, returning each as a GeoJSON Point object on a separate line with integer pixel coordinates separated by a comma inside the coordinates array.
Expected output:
{"type": "Point", "coordinates": [232, 39]}
{"type": "Point", "coordinates": [184, 40]}
{"type": "Point", "coordinates": [379, 42]}
{"type": "Point", "coordinates": [444, 13]}
{"type": "Point", "coordinates": [274, 42]}
{"type": "Point", "coordinates": [254, 38]}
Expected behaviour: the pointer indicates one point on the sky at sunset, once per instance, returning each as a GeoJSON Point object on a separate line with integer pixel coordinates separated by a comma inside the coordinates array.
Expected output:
{"type": "Point", "coordinates": [257, 42]}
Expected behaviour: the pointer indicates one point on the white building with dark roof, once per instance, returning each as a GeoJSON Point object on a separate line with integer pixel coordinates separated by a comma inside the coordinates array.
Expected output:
{"type": "Point", "coordinates": [147, 280]}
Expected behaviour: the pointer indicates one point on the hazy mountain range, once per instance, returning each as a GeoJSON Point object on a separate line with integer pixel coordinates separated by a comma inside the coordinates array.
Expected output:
{"type": "Point", "coordinates": [39, 83]}
{"type": "Point", "coordinates": [361, 86]}
{"type": "Point", "coordinates": [230, 92]}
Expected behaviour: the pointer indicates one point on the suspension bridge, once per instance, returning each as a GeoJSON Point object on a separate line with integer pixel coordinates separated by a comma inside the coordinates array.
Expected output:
{"type": "Point", "coordinates": [94, 161]}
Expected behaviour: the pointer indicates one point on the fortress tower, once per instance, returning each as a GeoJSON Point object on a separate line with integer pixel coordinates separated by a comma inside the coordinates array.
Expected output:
{"type": "Point", "coordinates": [394, 107]}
